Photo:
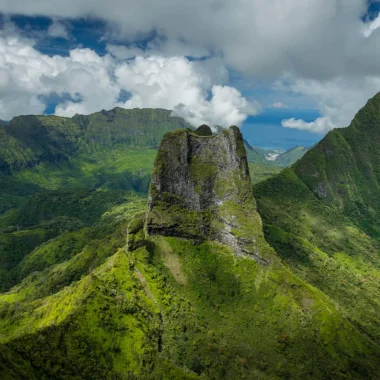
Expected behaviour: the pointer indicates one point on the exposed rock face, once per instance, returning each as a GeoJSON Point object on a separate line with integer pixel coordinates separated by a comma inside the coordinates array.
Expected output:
{"type": "Point", "coordinates": [201, 189]}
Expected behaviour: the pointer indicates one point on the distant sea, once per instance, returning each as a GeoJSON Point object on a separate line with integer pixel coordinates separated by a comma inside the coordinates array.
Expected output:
{"type": "Point", "coordinates": [265, 130]}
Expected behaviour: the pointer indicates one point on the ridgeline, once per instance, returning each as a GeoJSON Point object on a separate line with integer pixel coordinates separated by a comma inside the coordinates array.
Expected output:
{"type": "Point", "coordinates": [100, 282]}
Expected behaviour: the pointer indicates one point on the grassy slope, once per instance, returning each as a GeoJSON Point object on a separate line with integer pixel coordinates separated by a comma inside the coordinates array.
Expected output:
{"type": "Point", "coordinates": [343, 170]}
{"type": "Point", "coordinates": [82, 307]}
{"type": "Point", "coordinates": [257, 155]}
{"type": "Point", "coordinates": [59, 175]}
{"type": "Point", "coordinates": [46, 197]}
{"type": "Point", "coordinates": [174, 310]}
{"type": "Point", "coordinates": [289, 157]}
{"type": "Point", "coordinates": [261, 172]}
{"type": "Point", "coordinates": [51, 199]}
{"type": "Point", "coordinates": [322, 216]}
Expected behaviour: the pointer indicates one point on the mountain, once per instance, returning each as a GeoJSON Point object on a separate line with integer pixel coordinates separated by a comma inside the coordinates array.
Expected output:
{"type": "Point", "coordinates": [292, 155]}
{"type": "Point", "coordinates": [264, 164]}
{"type": "Point", "coordinates": [30, 140]}
{"type": "Point", "coordinates": [62, 174]}
{"type": "Point", "coordinates": [321, 215]}
{"type": "Point", "coordinates": [343, 171]}
{"type": "Point", "coordinates": [266, 157]}
{"type": "Point", "coordinates": [201, 189]}
{"type": "Point", "coordinates": [254, 154]}
{"type": "Point", "coordinates": [106, 283]}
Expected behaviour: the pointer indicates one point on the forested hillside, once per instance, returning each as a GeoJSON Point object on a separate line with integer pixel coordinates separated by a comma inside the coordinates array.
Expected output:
{"type": "Point", "coordinates": [88, 293]}
{"type": "Point", "coordinates": [322, 217]}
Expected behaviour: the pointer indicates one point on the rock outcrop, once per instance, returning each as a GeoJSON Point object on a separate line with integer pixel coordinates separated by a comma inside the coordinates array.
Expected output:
{"type": "Point", "coordinates": [201, 189]}
{"type": "Point", "coordinates": [204, 130]}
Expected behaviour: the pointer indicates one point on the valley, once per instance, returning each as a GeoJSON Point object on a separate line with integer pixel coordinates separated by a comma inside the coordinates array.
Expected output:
{"type": "Point", "coordinates": [87, 293]}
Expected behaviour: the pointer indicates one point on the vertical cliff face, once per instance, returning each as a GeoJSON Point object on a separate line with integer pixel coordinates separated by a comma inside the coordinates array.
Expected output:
{"type": "Point", "coordinates": [201, 189]}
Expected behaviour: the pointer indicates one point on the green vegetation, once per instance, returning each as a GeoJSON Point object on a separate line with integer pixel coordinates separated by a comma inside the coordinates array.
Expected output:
{"type": "Point", "coordinates": [260, 172]}
{"type": "Point", "coordinates": [260, 156]}
{"type": "Point", "coordinates": [60, 176]}
{"type": "Point", "coordinates": [85, 294]}
{"type": "Point", "coordinates": [254, 154]}
{"type": "Point", "coordinates": [172, 309]}
{"type": "Point", "coordinates": [292, 155]}
{"type": "Point", "coordinates": [321, 216]}
{"type": "Point", "coordinates": [28, 141]}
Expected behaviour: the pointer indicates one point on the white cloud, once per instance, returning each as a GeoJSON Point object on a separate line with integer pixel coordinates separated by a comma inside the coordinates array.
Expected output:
{"type": "Point", "coordinates": [319, 42]}
{"type": "Point", "coordinates": [320, 125]}
{"type": "Point", "coordinates": [338, 101]}
{"type": "Point", "coordinates": [279, 105]}
{"type": "Point", "coordinates": [94, 82]}
{"type": "Point", "coordinates": [177, 84]}
{"type": "Point", "coordinates": [257, 37]}
{"type": "Point", "coordinates": [27, 75]}
{"type": "Point", "coordinates": [58, 30]}
{"type": "Point", "coordinates": [370, 27]}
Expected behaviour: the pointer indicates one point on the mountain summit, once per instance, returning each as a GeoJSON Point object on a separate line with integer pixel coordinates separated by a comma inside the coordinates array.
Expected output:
{"type": "Point", "coordinates": [201, 189]}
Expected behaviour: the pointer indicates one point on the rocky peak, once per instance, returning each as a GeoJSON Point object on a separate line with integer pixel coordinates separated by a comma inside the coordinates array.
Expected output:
{"type": "Point", "coordinates": [201, 189]}
{"type": "Point", "coordinates": [203, 130]}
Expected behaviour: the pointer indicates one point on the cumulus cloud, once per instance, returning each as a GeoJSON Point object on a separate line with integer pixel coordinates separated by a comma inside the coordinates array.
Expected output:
{"type": "Point", "coordinates": [320, 125]}
{"type": "Point", "coordinates": [175, 83]}
{"type": "Point", "coordinates": [88, 83]}
{"type": "Point", "coordinates": [58, 30]}
{"type": "Point", "coordinates": [279, 105]}
{"type": "Point", "coordinates": [320, 42]}
{"type": "Point", "coordinates": [287, 35]}
{"type": "Point", "coordinates": [338, 101]}
{"type": "Point", "coordinates": [28, 75]}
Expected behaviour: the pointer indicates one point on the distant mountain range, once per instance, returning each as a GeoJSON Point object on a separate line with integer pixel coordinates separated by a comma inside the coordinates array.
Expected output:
{"type": "Point", "coordinates": [27, 141]}
{"type": "Point", "coordinates": [276, 157]}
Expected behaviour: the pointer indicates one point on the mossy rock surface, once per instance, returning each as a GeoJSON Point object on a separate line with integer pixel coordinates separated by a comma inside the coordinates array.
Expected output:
{"type": "Point", "coordinates": [201, 189]}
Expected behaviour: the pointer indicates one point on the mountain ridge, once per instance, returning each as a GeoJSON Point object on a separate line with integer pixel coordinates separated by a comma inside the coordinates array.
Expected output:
{"type": "Point", "coordinates": [47, 138]}
{"type": "Point", "coordinates": [321, 217]}
{"type": "Point", "coordinates": [344, 170]}
{"type": "Point", "coordinates": [91, 295]}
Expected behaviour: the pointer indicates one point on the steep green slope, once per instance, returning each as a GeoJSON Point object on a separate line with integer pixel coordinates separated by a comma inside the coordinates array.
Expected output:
{"type": "Point", "coordinates": [322, 216]}
{"type": "Point", "coordinates": [180, 311]}
{"type": "Point", "coordinates": [343, 170]}
{"type": "Point", "coordinates": [254, 155]}
{"type": "Point", "coordinates": [291, 156]}
{"type": "Point", "coordinates": [60, 174]}
{"type": "Point", "coordinates": [30, 140]}
{"type": "Point", "coordinates": [259, 156]}
{"type": "Point", "coordinates": [104, 300]}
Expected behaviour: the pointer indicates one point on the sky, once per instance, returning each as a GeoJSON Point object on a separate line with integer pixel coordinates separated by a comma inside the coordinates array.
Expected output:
{"type": "Point", "coordinates": [286, 71]}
